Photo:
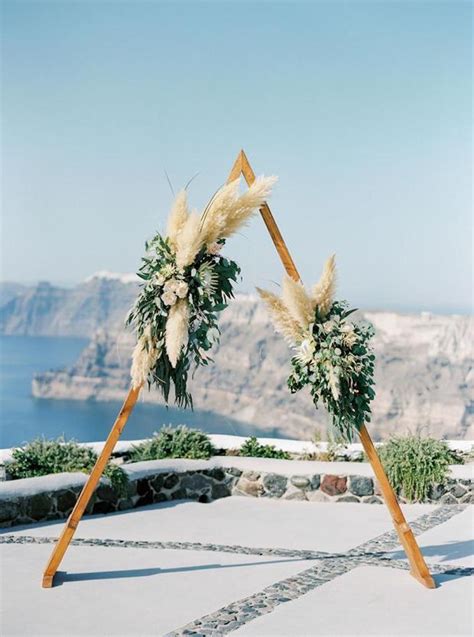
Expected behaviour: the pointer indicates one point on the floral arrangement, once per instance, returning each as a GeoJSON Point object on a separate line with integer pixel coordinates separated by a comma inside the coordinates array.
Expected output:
{"type": "Point", "coordinates": [333, 355]}
{"type": "Point", "coordinates": [186, 283]}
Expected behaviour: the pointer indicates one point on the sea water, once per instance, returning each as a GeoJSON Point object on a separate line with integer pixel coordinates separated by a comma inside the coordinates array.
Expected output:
{"type": "Point", "coordinates": [24, 418]}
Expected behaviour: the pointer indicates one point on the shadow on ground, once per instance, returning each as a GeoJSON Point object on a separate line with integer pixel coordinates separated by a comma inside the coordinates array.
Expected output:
{"type": "Point", "coordinates": [448, 551]}
{"type": "Point", "coordinates": [63, 576]}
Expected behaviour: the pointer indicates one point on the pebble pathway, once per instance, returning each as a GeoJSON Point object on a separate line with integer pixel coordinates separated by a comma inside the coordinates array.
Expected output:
{"type": "Point", "coordinates": [327, 567]}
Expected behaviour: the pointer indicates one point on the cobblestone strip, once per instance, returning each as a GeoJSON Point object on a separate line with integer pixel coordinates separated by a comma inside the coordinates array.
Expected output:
{"type": "Point", "coordinates": [235, 615]}
{"type": "Point", "coordinates": [388, 541]}
{"type": "Point", "coordinates": [181, 546]}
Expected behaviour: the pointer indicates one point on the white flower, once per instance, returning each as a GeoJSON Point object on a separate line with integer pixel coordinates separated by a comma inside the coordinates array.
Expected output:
{"type": "Point", "coordinates": [209, 279]}
{"type": "Point", "coordinates": [214, 248]}
{"type": "Point", "coordinates": [181, 289]}
{"type": "Point", "coordinates": [168, 270]}
{"type": "Point", "coordinates": [169, 298]}
{"type": "Point", "coordinates": [158, 279]}
{"type": "Point", "coordinates": [350, 338]}
{"type": "Point", "coordinates": [305, 351]}
{"type": "Point", "coordinates": [328, 326]}
{"type": "Point", "coordinates": [171, 285]}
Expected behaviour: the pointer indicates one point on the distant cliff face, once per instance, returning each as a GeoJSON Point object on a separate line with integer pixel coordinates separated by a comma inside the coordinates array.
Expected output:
{"type": "Point", "coordinates": [423, 374]}
{"type": "Point", "coordinates": [45, 310]}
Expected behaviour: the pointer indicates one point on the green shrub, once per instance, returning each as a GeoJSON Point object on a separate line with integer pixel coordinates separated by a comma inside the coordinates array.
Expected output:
{"type": "Point", "coordinates": [253, 448]}
{"type": "Point", "coordinates": [43, 457]}
{"type": "Point", "coordinates": [413, 464]}
{"type": "Point", "coordinates": [174, 442]}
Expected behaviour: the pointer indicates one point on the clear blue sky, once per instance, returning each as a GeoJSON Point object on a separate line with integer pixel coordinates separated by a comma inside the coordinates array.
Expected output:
{"type": "Point", "coordinates": [361, 108]}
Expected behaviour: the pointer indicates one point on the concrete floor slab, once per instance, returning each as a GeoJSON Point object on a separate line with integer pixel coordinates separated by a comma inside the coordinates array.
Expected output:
{"type": "Point", "coordinates": [114, 591]}
{"type": "Point", "coordinates": [373, 601]}
{"type": "Point", "coordinates": [458, 549]}
{"type": "Point", "coordinates": [247, 521]}
{"type": "Point", "coordinates": [128, 590]}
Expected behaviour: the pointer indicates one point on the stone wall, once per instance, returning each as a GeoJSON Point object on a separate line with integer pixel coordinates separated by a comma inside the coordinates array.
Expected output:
{"type": "Point", "coordinates": [53, 497]}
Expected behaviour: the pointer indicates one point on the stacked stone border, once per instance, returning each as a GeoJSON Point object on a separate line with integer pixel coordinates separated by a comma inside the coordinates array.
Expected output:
{"type": "Point", "coordinates": [44, 499]}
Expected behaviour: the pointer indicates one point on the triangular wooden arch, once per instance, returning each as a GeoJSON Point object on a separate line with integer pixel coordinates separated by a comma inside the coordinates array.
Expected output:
{"type": "Point", "coordinates": [419, 570]}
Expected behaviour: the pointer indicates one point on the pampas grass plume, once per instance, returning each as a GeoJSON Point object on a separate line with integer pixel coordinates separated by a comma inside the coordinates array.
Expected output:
{"type": "Point", "coordinates": [248, 204]}
{"type": "Point", "coordinates": [188, 241]}
{"type": "Point", "coordinates": [281, 318]}
{"type": "Point", "coordinates": [177, 327]}
{"type": "Point", "coordinates": [297, 301]}
{"type": "Point", "coordinates": [214, 217]}
{"type": "Point", "coordinates": [177, 219]}
{"type": "Point", "coordinates": [228, 211]}
{"type": "Point", "coordinates": [144, 357]}
{"type": "Point", "coordinates": [325, 288]}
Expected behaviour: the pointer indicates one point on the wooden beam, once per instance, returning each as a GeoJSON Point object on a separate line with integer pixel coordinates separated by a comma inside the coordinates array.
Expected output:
{"type": "Point", "coordinates": [419, 570]}
{"type": "Point", "coordinates": [88, 489]}
{"type": "Point", "coordinates": [271, 224]}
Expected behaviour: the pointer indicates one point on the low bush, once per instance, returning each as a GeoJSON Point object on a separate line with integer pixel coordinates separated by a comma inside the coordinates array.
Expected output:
{"type": "Point", "coordinates": [254, 449]}
{"type": "Point", "coordinates": [413, 464]}
{"type": "Point", "coordinates": [43, 457]}
{"type": "Point", "coordinates": [174, 442]}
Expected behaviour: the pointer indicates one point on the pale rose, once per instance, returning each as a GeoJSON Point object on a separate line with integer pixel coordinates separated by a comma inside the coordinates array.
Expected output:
{"type": "Point", "coordinates": [328, 326]}
{"type": "Point", "coordinates": [214, 248]}
{"type": "Point", "coordinates": [171, 285]}
{"type": "Point", "coordinates": [169, 298]}
{"type": "Point", "coordinates": [181, 289]}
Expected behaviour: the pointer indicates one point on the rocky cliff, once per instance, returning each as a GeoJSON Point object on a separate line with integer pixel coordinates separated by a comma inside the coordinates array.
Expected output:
{"type": "Point", "coordinates": [424, 362]}
{"type": "Point", "coordinates": [45, 310]}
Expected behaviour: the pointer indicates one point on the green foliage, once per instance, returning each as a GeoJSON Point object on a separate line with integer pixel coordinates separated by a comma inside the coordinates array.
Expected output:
{"type": "Point", "coordinates": [254, 449]}
{"type": "Point", "coordinates": [174, 442]}
{"type": "Point", "coordinates": [338, 365]}
{"type": "Point", "coordinates": [209, 286]}
{"type": "Point", "coordinates": [413, 464]}
{"type": "Point", "coordinates": [43, 457]}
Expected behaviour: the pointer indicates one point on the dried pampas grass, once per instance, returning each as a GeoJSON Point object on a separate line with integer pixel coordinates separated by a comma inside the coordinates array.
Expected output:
{"type": "Point", "coordinates": [227, 212]}
{"type": "Point", "coordinates": [297, 301]}
{"type": "Point", "coordinates": [178, 217]}
{"type": "Point", "coordinates": [188, 241]}
{"type": "Point", "coordinates": [223, 216]}
{"type": "Point", "coordinates": [213, 219]}
{"type": "Point", "coordinates": [282, 320]}
{"type": "Point", "coordinates": [325, 288]}
{"type": "Point", "coordinates": [333, 382]}
{"type": "Point", "coordinates": [144, 357]}
{"type": "Point", "coordinates": [177, 330]}
{"type": "Point", "coordinates": [293, 313]}
{"type": "Point", "coordinates": [248, 204]}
